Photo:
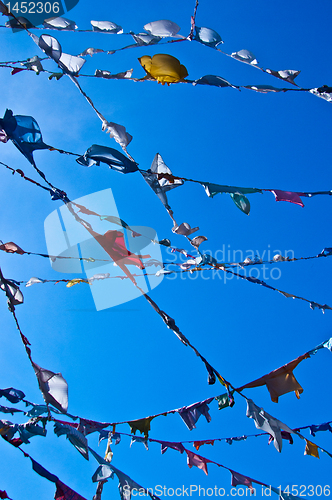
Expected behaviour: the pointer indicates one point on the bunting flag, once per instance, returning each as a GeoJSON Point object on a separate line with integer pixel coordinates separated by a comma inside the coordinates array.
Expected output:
{"type": "Point", "coordinates": [190, 265]}
{"type": "Point", "coordinates": [3, 494]}
{"type": "Point", "coordinates": [163, 70]}
{"type": "Point", "coordinates": [77, 439]}
{"type": "Point", "coordinates": [158, 178]}
{"type": "Point", "coordinates": [267, 423]}
{"type": "Point", "coordinates": [238, 479]}
{"type": "Point", "coordinates": [197, 461]}
{"type": "Point", "coordinates": [53, 387]}
{"type": "Point", "coordinates": [63, 492]}
{"type": "Point", "coordinates": [113, 158]}
{"type": "Point", "coordinates": [280, 381]}
{"type": "Point", "coordinates": [85, 427]}
{"type": "Point", "coordinates": [25, 134]}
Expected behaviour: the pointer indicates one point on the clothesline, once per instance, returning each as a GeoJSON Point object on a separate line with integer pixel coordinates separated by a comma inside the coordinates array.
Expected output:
{"type": "Point", "coordinates": [216, 81]}
{"type": "Point", "coordinates": [126, 484]}
{"type": "Point", "coordinates": [88, 426]}
{"type": "Point", "coordinates": [74, 281]}
{"type": "Point", "coordinates": [193, 459]}
{"type": "Point", "coordinates": [11, 247]}
{"type": "Point", "coordinates": [278, 382]}
{"type": "Point", "coordinates": [229, 440]}
{"type": "Point", "coordinates": [158, 30]}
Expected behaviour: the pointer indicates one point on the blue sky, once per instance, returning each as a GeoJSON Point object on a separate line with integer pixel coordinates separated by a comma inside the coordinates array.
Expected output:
{"type": "Point", "coordinates": [122, 363]}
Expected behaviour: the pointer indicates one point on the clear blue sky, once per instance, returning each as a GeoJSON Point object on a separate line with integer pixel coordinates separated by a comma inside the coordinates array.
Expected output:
{"type": "Point", "coordinates": [122, 363]}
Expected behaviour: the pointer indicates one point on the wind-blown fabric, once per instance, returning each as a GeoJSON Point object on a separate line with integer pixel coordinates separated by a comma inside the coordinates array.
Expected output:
{"type": "Point", "coordinates": [163, 28]}
{"type": "Point", "coordinates": [321, 427]}
{"type": "Point", "coordinates": [164, 68]}
{"type": "Point", "coordinates": [311, 449]}
{"type": "Point", "coordinates": [106, 26]}
{"type": "Point", "coordinates": [69, 64]}
{"type": "Point", "coordinates": [241, 202]}
{"type": "Point", "coordinates": [76, 437]}
{"type": "Point", "coordinates": [207, 36]}
{"type": "Point", "coordinates": [3, 136]}
{"type": "Point", "coordinates": [30, 429]}
{"type": "Point", "coordinates": [13, 395]}
{"type": "Point", "coordinates": [194, 460]}
{"type": "Point", "coordinates": [223, 401]}
{"type": "Point", "coordinates": [35, 64]}
{"type": "Point", "coordinates": [267, 423]}
{"type": "Point", "coordinates": [185, 229]}
{"type": "Point", "coordinates": [5, 409]}
{"type": "Point", "coordinates": [114, 245]}
{"type": "Point", "coordinates": [245, 56]}
{"type": "Point", "coordinates": [63, 492]}
{"type": "Point", "coordinates": [190, 414]}
{"type": "Point", "coordinates": [53, 387]}
{"type": "Point", "coordinates": [288, 75]}
{"type": "Point", "coordinates": [145, 39]}
{"type": "Point", "coordinates": [59, 23]}
{"type": "Point", "coordinates": [279, 381]}
{"type": "Point", "coordinates": [101, 73]}
{"type": "Point", "coordinates": [13, 293]}
{"type": "Point", "coordinates": [160, 186]}
{"type": "Point", "coordinates": [264, 89]}
{"type": "Point", "coordinates": [198, 444]}
{"type": "Point", "coordinates": [11, 247]}
{"type": "Point", "coordinates": [243, 480]}
{"type": "Point", "coordinates": [284, 435]}
{"type": "Point", "coordinates": [113, 158]}
{"type": "Point", "coordinates": [288, 196]}
{"type": "Point", "coordinates": [142, 425]}
{"type": "Point", "coordinates": [213, 189]}
{"type": "Point", "coordinates": [216, 81]}
{"type": "Point", "coordinates": [198, 240]}
{"type": "Point", "coordinates": [42, 471]}
{"type": "Point", "coordinates": [90, 426]}
{"type": "Point", "coordinates": [24, 132]}
{"type": "Point", "coordinates": [117, 132]}
{"type": "Point", "coordinates": [326, 344]}
{"type": "Point", "coordinates": [324, 92]}
{"type": "Point", "coordinates": [174, 446]}
{"type": "Point", "coordinates": [138, 439]}
{"type": "Point", "coordinates": [33, 281]}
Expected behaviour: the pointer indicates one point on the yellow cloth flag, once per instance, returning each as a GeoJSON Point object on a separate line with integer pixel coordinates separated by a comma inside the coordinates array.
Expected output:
{"type": "Point", "coordinates": [164, 68]}
{"type": "Point", "coordinates": [75, 281]}
{"type": "Point", "coordinates": [311, 449]}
